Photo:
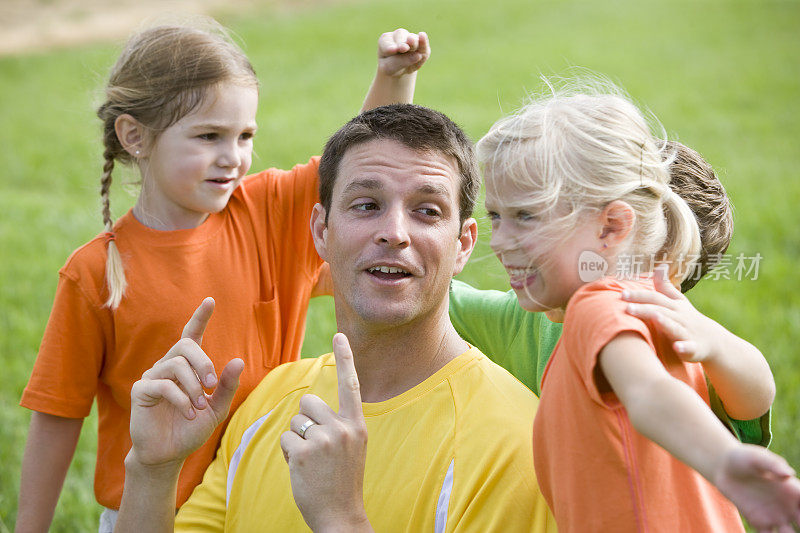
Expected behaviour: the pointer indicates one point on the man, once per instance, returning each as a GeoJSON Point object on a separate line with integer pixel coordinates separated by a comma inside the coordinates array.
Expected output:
{"type": "Point", "coordinates": [449, 431]}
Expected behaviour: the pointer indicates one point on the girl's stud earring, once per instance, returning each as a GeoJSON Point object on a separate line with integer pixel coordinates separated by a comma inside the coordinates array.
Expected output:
{"type": "Point", "coordinates": [136, 153]}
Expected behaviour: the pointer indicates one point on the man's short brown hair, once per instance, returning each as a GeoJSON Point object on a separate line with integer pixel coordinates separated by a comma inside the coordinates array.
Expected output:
{"type": "Point", "coordinates": [694, 180]}
{"type": "Point", "coordinates": [420, 129]}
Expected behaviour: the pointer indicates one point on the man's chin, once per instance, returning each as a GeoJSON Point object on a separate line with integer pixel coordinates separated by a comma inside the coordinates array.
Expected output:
{"type": "Point", "coordinates": [395, 315]}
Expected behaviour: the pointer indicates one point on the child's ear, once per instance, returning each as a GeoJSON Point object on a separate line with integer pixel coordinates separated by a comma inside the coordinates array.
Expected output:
{"type": "Point", "coordinates": [130, 133]}
{"type": "Point", "coordinates": [617, 220]}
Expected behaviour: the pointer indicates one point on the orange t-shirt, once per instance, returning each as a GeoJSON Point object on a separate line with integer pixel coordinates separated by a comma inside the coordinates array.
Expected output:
{"type": "Point", "coordinates": [256, 258]}
{"type": "Point", "coordinates": [595, 470]}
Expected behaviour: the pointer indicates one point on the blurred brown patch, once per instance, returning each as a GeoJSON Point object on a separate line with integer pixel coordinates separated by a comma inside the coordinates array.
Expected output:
{"type": "Point", "coordinates": [35, 25]}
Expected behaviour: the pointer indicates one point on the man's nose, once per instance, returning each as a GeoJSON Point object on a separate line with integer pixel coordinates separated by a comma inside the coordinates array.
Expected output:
{"type": "Point", "coordinates": [393, 228]}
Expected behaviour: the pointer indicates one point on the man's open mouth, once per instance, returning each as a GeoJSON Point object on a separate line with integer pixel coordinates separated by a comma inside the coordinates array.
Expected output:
{"type": "Point", "coordinates": [388, 273]}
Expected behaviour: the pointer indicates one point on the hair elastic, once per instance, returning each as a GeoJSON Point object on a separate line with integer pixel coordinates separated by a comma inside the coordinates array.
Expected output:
{"type": "Point", "coordinates": [110, 236]}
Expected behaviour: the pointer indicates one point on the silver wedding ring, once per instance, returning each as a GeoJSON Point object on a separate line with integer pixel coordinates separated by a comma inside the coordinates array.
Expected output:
{"type": "Point", "coordinates": [307, 424]}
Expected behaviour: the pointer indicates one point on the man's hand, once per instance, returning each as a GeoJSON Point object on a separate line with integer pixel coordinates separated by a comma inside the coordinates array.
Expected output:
{"type": "Point", "coordinates": [694, 336]}
{"type": "Point", "coordinates": [171, 415]}
{"type": "Point", "coordinates": [401, 52]}
{"type": "Point", "coordinates": [326, 452]}
{"type": "Point", "coordinates": [763, 487]}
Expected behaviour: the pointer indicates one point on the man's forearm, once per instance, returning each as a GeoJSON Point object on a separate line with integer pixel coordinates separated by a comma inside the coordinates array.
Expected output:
{"type": "Point", "coordinates": [148, 500]}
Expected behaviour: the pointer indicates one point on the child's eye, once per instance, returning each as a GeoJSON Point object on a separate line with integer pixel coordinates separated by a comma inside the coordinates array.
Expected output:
{"type": "Point", "coordinates": [208, 136]}
{"type": "Point", "coordinates": [491, 215]}
{"type": "Point", "coordinates": [526, 216]}
{"type": "Point", "coordinates": [246, 136]}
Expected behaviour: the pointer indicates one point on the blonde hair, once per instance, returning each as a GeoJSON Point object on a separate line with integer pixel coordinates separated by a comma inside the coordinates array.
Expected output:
{"type": "Point", "coordinates": [579, 147]}
{"type": "Point", "coordinates": [162, 75]}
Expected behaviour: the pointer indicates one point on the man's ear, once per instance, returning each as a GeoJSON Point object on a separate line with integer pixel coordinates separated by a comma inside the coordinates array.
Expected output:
{"type": "Point", "coordinates": [617, 220]}
{"type": "Point", "coordinates": [131, 135]}
{"type": "Point", "coordinates": [465, 244]}
{"type": "Point", "coordinates": [319, 231]}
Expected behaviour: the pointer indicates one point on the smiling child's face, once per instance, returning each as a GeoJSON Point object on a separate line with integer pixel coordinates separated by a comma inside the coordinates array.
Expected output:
{"type": "Point", "coordinates": [543, 270]}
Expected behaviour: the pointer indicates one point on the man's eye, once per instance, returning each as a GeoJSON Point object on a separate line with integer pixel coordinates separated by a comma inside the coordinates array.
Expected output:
{"type": "Point", "coordinates": [366, 206]}
{"type": "Point", "coordinates": [429, 211]}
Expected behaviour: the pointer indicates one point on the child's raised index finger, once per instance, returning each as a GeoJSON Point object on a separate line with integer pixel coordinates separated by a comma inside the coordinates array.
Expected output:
{"type": "Point", "coordinates": [347, 379]}
{"type": "Point", "coordinates": [196, 326]}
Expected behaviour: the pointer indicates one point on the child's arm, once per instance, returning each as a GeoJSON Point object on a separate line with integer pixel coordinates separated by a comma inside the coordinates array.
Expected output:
{"type": "Point", "coordinates": [400, 56]}
{"type": "Point", "coordinates": [737, 369]}
{"type": "Point", "coordinates": [670, 413]}
{"type": "Point", "coordinates": [48, 453]}
{"type": "Point", "coordinates": [324, 285]}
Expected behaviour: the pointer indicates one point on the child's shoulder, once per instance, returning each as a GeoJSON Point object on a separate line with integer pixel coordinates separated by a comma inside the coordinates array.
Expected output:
{"type": "Point", "coordinates": [598, 305]}
{"type": "Point", "coordinates": [88, 260]}
{"type": "Point", "coordinates": [309, 169]}
{"type": "Point", "coordinates": [609, 288]}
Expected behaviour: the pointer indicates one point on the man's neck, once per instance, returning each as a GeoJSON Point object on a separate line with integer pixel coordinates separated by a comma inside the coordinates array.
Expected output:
{"type": "Point", "coordinates": [391, 360]}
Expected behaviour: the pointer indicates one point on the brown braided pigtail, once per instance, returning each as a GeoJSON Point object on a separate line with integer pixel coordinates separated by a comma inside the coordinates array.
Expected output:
{"type": "Point", "coordinates": [115, 272]}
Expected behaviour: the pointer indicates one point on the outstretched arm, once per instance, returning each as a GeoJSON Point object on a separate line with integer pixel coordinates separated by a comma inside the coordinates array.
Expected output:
{"type": "Point", "coordinates": [171, 416]}
{"type": "Point", "coordinates": [400, 56]}
{"type": "Point", "coordinates": [670, 413]}
{"type": "Point", "coordinates": [737, 369]}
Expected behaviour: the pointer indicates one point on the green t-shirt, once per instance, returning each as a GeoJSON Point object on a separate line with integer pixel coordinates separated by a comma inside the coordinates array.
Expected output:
{"type": "Point", "coordinates": [522, 342]}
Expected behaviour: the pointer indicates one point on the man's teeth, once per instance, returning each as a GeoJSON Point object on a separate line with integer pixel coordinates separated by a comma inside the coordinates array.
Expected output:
{"type": "Point", "coordinates": [388, 270]}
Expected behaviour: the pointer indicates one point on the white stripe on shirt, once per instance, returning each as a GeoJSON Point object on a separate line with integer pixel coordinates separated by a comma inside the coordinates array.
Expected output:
{"type": "Point", "coordinates": [444, 500]}
{"type": "Point", "coordinates": [247, 436]}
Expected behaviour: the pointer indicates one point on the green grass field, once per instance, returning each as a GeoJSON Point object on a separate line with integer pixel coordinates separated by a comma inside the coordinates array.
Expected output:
{"type": "Point", "coordinates": [723, 77]}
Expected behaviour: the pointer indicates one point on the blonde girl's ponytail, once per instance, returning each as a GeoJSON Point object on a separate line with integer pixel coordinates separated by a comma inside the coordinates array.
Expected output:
{"type": "Point", "coordinates": [115, 272]}
{"type": "Point", "coordinates": [682, 246]}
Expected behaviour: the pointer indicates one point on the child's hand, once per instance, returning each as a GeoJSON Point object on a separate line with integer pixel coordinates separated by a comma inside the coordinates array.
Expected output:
{"type": "Point", "coordinates": [401, 52]}
{"type": "Point", "coordinates": [762, 486]}
{"type": "Point", "coordinates": [694, 335]}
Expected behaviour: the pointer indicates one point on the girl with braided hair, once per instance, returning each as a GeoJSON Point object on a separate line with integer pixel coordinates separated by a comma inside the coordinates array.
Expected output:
{"type": "Point", "coordinates": [180, 106]}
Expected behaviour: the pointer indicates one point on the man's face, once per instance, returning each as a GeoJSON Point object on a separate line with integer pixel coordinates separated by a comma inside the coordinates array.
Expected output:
{"type": "Point", "coordinates": [393, 236]}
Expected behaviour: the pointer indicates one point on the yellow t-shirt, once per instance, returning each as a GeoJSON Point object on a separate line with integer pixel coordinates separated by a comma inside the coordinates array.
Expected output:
{"type": "Point", "coordinates": [451, 454]}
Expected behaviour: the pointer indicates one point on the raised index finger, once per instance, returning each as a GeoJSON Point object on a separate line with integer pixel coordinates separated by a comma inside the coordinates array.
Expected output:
{"type": "Point", "coordinates": [196, 326]}
{"type": "Point", "coordinates": [346, 377]}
